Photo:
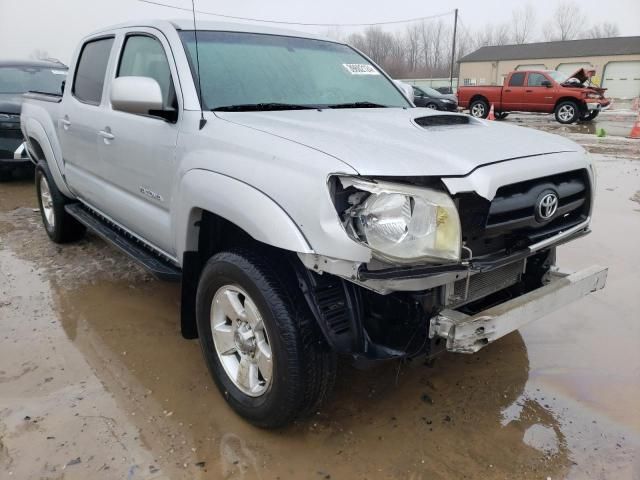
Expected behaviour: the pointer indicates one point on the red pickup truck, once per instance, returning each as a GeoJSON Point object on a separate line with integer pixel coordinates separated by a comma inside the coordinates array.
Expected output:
{"type": "Point", "coordinates": [545, 91]}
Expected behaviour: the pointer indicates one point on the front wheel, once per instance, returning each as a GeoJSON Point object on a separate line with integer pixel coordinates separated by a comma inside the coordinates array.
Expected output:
{"type": "Point", "coordinates": [60, 226]}
{"type": "Point", "coordinates": [567, 112]}
{"type": "Point", "coordinates": [432, 106]}
{"type": "Point", "coordinates": [479, 109]}
{"type": "Point", "coordinates": [261, 345]}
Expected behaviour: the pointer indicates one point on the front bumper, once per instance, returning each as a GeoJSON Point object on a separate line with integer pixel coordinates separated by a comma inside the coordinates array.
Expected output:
{"type": "Point", "coordinates": [468, 334]}
{"type": "Point", "coordinates": [600, 106]}
{"type": "Point", "coordinates": [19, 158]}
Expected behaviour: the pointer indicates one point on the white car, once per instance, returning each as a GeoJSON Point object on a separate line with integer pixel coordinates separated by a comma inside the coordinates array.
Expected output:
{"type": "Point", "coordinates": [306, 206]}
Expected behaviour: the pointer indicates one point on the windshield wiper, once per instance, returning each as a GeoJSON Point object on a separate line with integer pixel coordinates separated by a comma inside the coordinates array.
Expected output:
{"type": "Point", "coordinates": [252, 107]}
{"type": "Point", "coordinates": [357, 105]}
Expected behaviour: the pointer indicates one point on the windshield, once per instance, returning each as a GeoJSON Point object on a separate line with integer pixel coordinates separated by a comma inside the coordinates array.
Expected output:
{"type": "Point", "coordinates": [558, 76]}
{"type": "Point", "coordinates": [260, 72]}
{"type": "Point", "coordinates": [24, 79]}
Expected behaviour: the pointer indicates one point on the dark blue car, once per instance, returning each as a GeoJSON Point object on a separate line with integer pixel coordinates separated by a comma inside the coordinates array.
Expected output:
{"type": "Point", "coordinates": [16, 78]}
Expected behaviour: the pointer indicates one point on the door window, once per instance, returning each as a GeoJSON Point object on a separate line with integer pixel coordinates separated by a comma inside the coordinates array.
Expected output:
{"type": "Point", "coordinates": [535, 80]}
{"type": "Point", "coordinates": [90, 72]}
{"type": "Point", "coordinates": [143, 56]}
{"type": "Point", "coordinates": [517, 79]}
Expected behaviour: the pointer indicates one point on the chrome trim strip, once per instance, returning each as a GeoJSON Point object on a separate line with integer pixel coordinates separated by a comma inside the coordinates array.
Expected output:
{"type": "Point", "coordinates": [567, 233]}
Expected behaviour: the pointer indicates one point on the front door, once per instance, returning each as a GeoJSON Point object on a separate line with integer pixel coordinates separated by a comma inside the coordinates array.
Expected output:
{"type": "Point", "coordinates": [138, 151]}
{"type": "Point", "coordinates": [513, 92]}
{"type": "Point", "coordinates": [537, 96]}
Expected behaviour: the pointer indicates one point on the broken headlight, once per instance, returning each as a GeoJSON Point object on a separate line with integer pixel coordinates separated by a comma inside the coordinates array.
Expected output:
{"type": "Point", "coordinates": [402, 223]}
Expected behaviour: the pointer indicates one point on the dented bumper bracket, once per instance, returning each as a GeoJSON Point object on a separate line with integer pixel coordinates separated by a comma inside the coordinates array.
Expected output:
{"type": "Point", "coordinates": [469, 333]}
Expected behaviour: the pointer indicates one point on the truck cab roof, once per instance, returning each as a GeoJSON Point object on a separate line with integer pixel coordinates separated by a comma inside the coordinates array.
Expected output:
{"type": "Point", "coordinates": [187, 24]}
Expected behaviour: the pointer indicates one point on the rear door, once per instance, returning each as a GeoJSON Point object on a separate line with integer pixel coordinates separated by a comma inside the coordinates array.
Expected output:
{"type": "Point", "coordinates": [538, 97]}
{"type": "Point", "coordinates": [138, 151]}
{"type": "Point", "coordinates": [80, 118]}
{"type": "Point", "coordinates": [513, 92]}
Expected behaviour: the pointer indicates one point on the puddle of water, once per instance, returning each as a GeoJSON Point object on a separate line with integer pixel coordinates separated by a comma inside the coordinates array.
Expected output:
{"type": "Point", "coordinates": [559, 400]}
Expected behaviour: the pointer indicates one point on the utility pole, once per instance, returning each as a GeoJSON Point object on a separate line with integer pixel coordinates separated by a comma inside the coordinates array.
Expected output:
{"type": "Point", "coordinates": [453, 48]}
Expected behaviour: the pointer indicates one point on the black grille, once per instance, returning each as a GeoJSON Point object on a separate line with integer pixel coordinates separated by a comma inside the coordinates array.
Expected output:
{"type": "Point", "coordinates": [10, 139]}
{"type": "Point", "coordinates": [510, 221]}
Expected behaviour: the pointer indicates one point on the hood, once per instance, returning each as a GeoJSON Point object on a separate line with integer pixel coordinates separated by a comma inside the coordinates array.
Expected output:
{"type": "Point", "coordinates": [11, 103]}
{"type": "Point", "coordinates": [585, 75]}
{"type": "Point", "coordinates": [389, 142]}
{"type": "Point", "coordinates": [450, 96]}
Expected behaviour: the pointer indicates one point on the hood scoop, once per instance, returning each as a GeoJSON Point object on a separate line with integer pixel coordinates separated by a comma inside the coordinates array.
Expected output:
{"type": "Point", "coordinates": [430, 121]}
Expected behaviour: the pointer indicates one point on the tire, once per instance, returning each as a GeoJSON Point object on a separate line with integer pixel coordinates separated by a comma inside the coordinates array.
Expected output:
{"type": "Point", "coordinates": [567, 112]}
{"type": "Point", "coordinates": [588, 116]}
{"type": "Point", "coordinates": [60, 226]}
{"type": "Point", "coordinates": [432, 106]}
{"type": "Point", "coordinates": [501, 115]}
{"type": "Point", "coordinates": [479, 109]}
{"type": "Point", "coordinates": [302, 368]}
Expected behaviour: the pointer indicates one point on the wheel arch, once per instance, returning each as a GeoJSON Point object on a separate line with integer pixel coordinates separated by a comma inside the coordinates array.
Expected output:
{"type": "Point", "coordinates": [40, 144]}
{"type": "Point", "coordinates": [478, 96]}
{"type": "Point", "coordinates": [575, 100]}
{"type": "Point", "coordinates": [216, 212]}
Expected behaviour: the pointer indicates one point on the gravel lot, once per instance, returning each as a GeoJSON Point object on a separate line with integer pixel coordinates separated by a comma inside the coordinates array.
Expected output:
{"type": "Point", "coordinates": [96, 382]}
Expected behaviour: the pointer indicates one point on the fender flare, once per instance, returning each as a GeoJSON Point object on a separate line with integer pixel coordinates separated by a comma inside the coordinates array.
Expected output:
{"type": "Point", "coordinates": [241, 204]}
{"type": "Point", "coordinates": [35, 131]}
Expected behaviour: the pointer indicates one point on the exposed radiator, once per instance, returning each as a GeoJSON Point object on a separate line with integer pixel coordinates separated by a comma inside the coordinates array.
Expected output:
{"type": "Point", "coordinates": [483, 284]}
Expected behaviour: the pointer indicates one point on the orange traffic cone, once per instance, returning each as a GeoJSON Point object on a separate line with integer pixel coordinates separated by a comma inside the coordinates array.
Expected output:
{"type": "Point", "coordinates": [635, 130]}
{"type": "Point", "coordinates": [492, 114]}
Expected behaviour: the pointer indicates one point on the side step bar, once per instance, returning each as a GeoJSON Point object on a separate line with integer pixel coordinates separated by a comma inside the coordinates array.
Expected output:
{"type": "Point", "coordinates": [159, 267]}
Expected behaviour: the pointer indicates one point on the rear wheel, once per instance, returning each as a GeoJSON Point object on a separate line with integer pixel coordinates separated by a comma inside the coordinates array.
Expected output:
{"type": "Point", "coordinates": [60, 226]}
{"type": "Point", "coordinates": [259, 340]}
{"type": "Point", "coordinates": [567, 112]}
{"type": "Point", "coordinates": [479, 108]}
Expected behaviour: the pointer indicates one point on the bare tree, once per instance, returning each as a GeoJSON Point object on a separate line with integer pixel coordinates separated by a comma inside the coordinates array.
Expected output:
{"type": "Point", "coordinates": [603, 30]}
{"type": "Point", "coordinates": [502, 34]}
{"type": "Point", "coordinates": [522, 23]}
{"type": "Point", "coordinates": [412, 42]}
{"type": "Point", "coordinates": [567, 22]}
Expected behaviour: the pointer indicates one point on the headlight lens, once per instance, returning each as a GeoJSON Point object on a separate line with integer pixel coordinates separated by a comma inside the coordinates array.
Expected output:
{"type": "Point", "coordinates": [403, 223]}
{"type": "Point", "coordinates": [593, 95]}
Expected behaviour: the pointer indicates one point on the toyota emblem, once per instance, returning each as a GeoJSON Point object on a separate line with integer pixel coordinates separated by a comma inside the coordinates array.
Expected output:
{"type": "Point", "coordinates": [547, 206]}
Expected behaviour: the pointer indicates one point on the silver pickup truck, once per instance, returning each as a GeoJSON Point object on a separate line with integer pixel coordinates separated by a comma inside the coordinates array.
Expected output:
{"type": "Point", "coordinates": [307, 207]}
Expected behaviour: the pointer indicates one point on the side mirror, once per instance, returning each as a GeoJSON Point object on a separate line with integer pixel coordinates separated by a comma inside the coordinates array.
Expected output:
{"type": "Point", "coordinates": [139, 95]}
{"type": "Point", "coordinates": [546, 83]}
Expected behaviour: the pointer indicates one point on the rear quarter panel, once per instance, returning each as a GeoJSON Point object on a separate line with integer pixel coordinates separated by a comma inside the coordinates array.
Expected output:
{"type": "Point", "coordinates": [493, 94]}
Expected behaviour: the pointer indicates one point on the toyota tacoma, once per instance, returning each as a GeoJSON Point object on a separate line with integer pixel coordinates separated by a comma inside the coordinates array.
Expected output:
{"type": "Point", "coordinates": [307, 207]}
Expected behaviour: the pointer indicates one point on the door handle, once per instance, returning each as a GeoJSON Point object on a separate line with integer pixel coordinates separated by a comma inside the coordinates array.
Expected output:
{"type": "Point", "coordinates": [529, 91]}
{"type": "Point", "coordinates": [65, 123]}
{"type": "Point", "coordinates": [106, 135]}
{"type": "Point", "coordinates": [507, 90]}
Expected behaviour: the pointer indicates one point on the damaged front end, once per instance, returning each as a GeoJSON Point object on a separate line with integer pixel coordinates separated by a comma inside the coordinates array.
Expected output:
{"type": "Point", "coordinates": [447, 271]}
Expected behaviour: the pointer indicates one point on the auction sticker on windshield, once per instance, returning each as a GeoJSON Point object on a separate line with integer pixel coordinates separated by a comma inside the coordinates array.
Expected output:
{"type": "Point", "coordinates": [360, 69]}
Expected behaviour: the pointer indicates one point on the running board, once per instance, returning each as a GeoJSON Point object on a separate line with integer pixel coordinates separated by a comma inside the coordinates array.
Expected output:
{"type": "Point", "coordinates": [158, 266]}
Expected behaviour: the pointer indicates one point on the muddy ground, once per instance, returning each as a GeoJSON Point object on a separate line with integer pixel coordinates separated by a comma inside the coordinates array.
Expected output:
{"type": "Point", "coordinates": [96, 382]}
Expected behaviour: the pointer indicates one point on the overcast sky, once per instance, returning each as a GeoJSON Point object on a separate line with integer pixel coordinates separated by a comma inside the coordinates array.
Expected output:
{"type": "Point", "coordinates": [55, 26]}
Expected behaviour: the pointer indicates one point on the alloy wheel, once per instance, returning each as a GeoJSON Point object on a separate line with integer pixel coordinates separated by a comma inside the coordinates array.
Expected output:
{"type": "Point", "coordinates": [241, 340]}
{"type": "Point", "coordinates": [47, 203]}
